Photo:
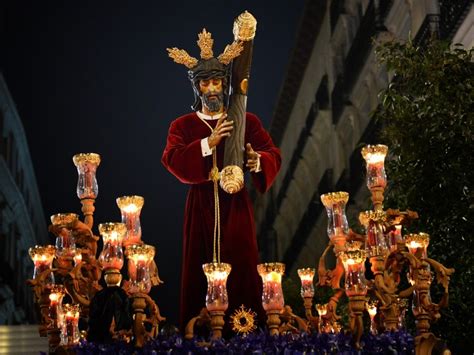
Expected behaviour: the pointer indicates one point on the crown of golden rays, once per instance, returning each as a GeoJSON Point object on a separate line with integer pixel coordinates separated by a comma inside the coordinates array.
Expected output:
{"type": "Point", "coordinates": [205, 43]}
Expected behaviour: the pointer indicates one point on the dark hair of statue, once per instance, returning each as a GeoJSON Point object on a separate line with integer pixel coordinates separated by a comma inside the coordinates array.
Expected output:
{"type": "Point", "coordinates": [206, 70]}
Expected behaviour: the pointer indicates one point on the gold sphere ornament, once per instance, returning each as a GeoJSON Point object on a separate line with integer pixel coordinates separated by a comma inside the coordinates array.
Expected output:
{"type": "Point", "coordinates": [243, 321]}
{"type": "Point", "coordinates": [232, 179]}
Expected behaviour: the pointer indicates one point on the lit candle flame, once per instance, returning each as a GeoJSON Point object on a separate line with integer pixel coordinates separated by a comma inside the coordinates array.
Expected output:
{"type": "Point", "coordinates": [131, 208]}
{"type": "Point", "coordinates": [414, 245]}
{"type": "Point", "coordinates": [372, 310]}
{"type": "Point", "coordinates": [273, 277]}
{"type": "Point", "coordinates": [375, 158]}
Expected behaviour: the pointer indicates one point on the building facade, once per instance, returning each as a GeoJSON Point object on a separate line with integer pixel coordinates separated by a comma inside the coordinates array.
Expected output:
{"type": "Point", "coordinates": [323, 115]}
{"type": "Point", "coordinates": [22, 223]}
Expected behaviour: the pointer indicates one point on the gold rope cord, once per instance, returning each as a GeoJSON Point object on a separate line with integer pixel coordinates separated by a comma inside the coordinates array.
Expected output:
{"type": "Point", "coordinates": [216, 257]}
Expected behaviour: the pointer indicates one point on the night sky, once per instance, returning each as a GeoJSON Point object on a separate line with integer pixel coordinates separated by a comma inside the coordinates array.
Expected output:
{"type": "Point", "coordinates": [94, 76]}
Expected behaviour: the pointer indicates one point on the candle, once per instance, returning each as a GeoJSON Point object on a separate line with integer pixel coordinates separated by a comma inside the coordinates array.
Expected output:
{"type": "Point", "coordinates": [372, 310]}
{"type": "Point", "coordinates": [373, 222]}
{"type": "Point", "coordinates": [55, 306]}
{"type": "Point", "coordinates": [335, 204]}
{"type": "Point", "coordinates": [216, 296]}
{"type": "Point", "coordinates": [139, 260]}
{"type": "Point", "coordinates": [42, 258]}
{"type": "Point", "coordinates": [70, 324]}
{"type": "Point", "coordinates": [322, 311]}
{"type": "Point", "coordinates": [130, 208]}
{"type": "Point", "coordinates": [306, 277]}
{"type": "Point", "coordinates": [87, 164]}
{"type": "Point", "coordinates": [353, 259]}
{"type": "Point", "coordinates": [77, 257]}
{"type": "Point", "coordinates": [395, 237]}
{"type": "Point", "coordinates": [374, 156]}
{"type": "Point", "coordinates": [417, 244]}
{"type": "Point", "coordinates": [272, 295]}
{"type": "Point", "coordinates": [65, 243]}
{"type": "Point", "coordinates": [111, 256]}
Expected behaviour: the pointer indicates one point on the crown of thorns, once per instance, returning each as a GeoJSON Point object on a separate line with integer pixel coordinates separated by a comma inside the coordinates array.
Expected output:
{"type": "Point", "coordinates": [205, 43]}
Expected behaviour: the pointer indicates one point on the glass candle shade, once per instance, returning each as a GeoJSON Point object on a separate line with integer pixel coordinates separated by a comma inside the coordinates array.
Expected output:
{"type": "Point", "coordinates": [130, 208]}
{"type": "Point", "coordinates": [322, 311]}
{"type": "Point", "coordinates": [42, 257]}
{"type": "Point", "coordinates": [306, 276]}
{"type": "Point", "coordinates": [335, 204]}
{"type": "Point", "coordinates": [111, 256]}
{"type": "Point", "coordinates": [87, 164]}
{"type": "Point", "coordinates": [353, 259]}
{"type": "Point", "coordinates": [417, 244]}
{"type": "Point", "coordinates": [139, 259]}
{"type": "Point", "coordinates": [216, 296]}
{"type": "Point", "coordinates": [395, 237]}
{"type": "Point", "coordinates": [374, 156]}
{"type": "Point", "coordinates": [372, 310]}
{"type": "Point", "coordinates": [376, 241]}
{"type": "Point", "coordinates": [55, 304]}
{"type": "Point", "coordinates": [65, 244]}
{"type": "Point", "coordinates": [77, 256]}
{"type": "Point", "coordinates": [70, 334]}
{"type": "Point", "coordinates": [272, 295]}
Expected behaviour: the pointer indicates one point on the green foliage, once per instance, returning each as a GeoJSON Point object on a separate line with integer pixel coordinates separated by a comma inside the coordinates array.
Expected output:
{"type": "Point", "coordinates": [428, 118]}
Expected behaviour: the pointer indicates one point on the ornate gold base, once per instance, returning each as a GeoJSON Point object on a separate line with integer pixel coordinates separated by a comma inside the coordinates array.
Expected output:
{"type": "Point", "coordinates": [138, 306]}
{"type": "Point", "coordinates": [356, 307]}
{"type": "Point", "coordinates": [217, 323]}
{"type": "Point", "coordinates": [112, 277]}
{"type": "Point", "coordinates": [232, 179]}
{"type": "Point", "coordinates": [273, 322]}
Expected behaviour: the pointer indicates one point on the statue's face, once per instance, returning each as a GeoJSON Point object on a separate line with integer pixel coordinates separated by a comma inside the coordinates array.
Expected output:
{"type": "Point", "coordinates": [212, 95]}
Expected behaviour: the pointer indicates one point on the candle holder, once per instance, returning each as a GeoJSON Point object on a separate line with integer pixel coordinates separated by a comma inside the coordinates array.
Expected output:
{"type": "Point", "coordinates": [373, 221]}
{"type": "Point", "coordinates": [42, 257]}
{"type": "Point", "coordinates": [322, 311]}
{"type": "Point", "coordinates": [307, 288]}
{"type": "Point", "coordinates": [417, 244]}
{"type": "Point", "coordinates": [111, 257]}
{"type": "Point", "coordinates": [374, 156]}
{"type": "Point", "coordinates": [55, 316]}
{"type": "Point", "coordinates": [372, 311]}
{"type": "Point", "coordinates": [353, 259]}
{"type": "Point", "coordinates": [307, 293]}
{"type": "Point", "coordinates": [56, 296]}
{"type": "Point", "coordinates": [338, 231]}
{"type": "Point", "coordinates": [70, 334]}
{"type": "Point", "coordinates": [87, 187]}
{"type": "Point", "coordinates": [65, 243]}
{"type": "Point", "coordinates": [272, 295]}
{"type": "Point", "coordinates": [130, 208]}
{"type": "Point", "coordinates": [77, 257]}
{"type": "Point", "coordinates": [217, 301]}
{"type": "Point", "coordinates": [338, 228]}
{"type": "Point", "coordinates": [139, 259]}
{"type": "Point", "coordinates": [395, 238]}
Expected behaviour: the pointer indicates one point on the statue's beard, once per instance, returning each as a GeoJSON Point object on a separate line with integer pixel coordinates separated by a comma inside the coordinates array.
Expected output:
{"type": "Point", "coordinates": [213, 101]}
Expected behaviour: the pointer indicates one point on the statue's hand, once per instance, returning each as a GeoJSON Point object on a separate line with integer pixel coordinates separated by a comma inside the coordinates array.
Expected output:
{"type": "Point", "coordinates": [253, 159]}
{"type": "Point", "coordinates": [223, 129]}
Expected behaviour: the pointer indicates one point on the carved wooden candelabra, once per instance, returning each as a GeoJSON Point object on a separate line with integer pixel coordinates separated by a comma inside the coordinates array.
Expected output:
{"type": "Point", "coordinates": [70, 268]}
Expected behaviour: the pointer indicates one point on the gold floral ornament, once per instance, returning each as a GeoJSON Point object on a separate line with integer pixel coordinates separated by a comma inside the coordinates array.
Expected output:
{"type": "Point", "coordinates": [243, 321]}
{"type": "Point", "coordinates": [180, 56]}
{"type": "Point", "coordinates": [245, 27]}
{"type": "Point", "coordinates": [332, 198]}
{"type": "Point", "coordinates": [205, 43]}
{"type": "Point", "coordinates": [375, 216]}
{"type": "Point", "coordinates": [230, 52]}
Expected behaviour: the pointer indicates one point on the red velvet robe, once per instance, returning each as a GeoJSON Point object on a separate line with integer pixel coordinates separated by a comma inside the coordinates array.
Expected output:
{"type": "Point", "coordinates": [183, 158]}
